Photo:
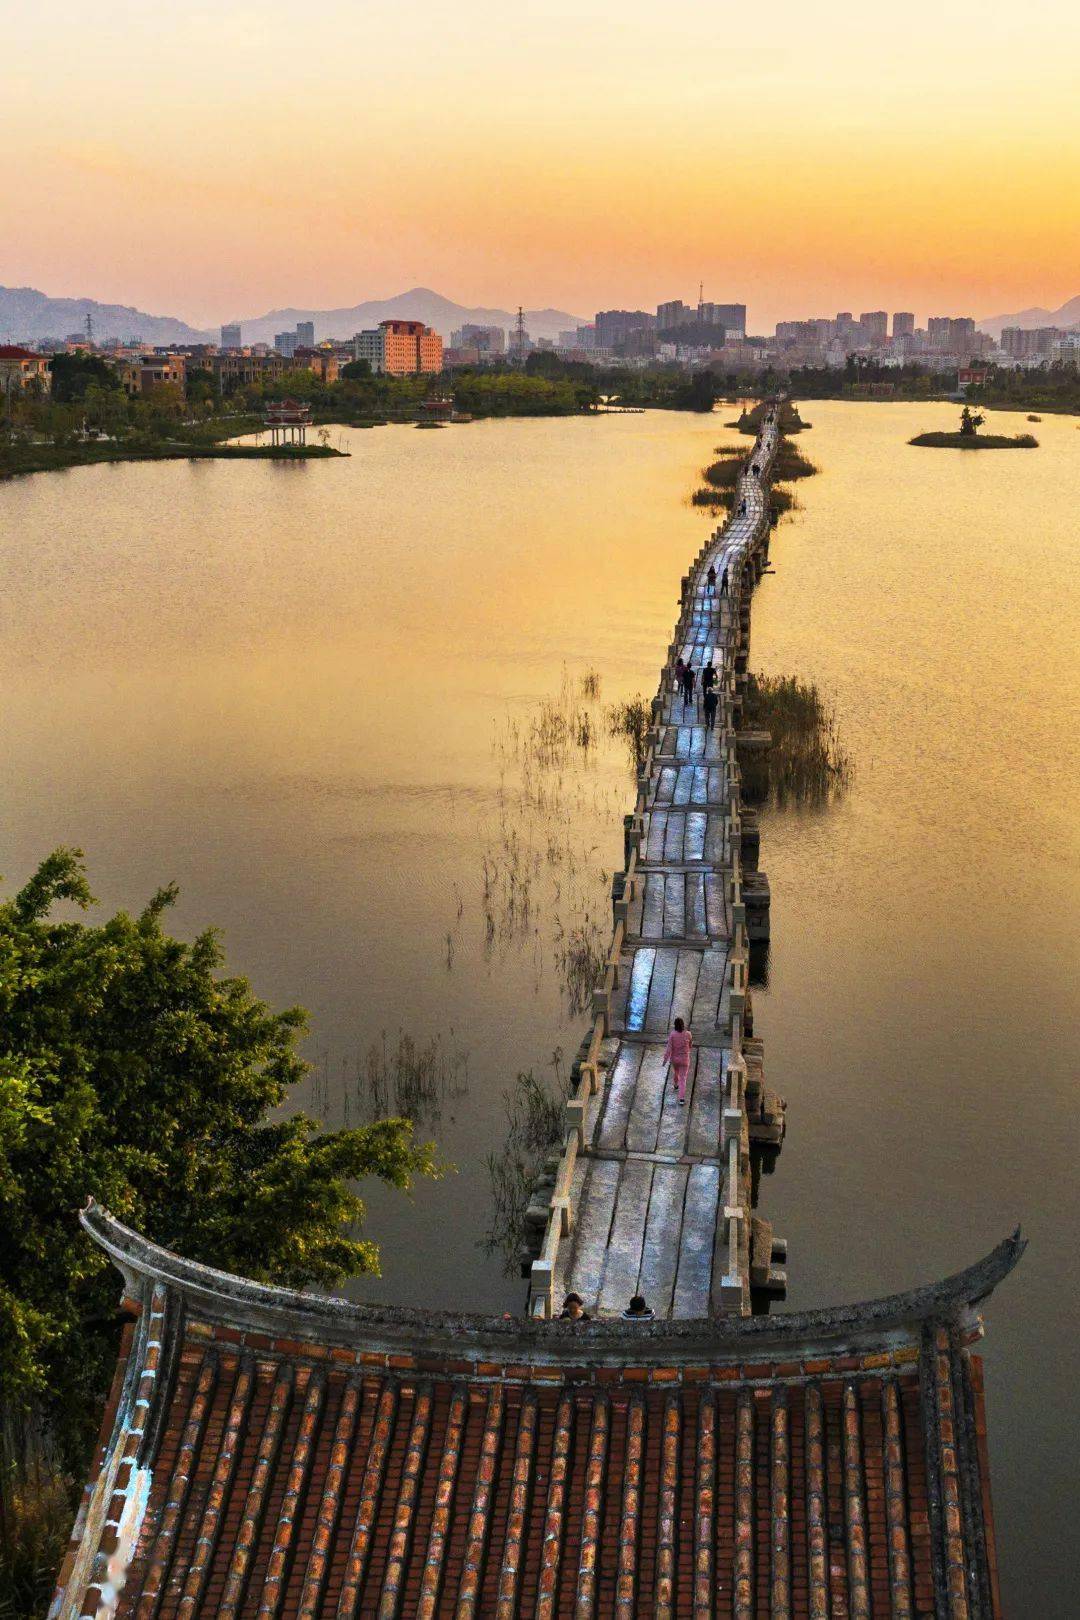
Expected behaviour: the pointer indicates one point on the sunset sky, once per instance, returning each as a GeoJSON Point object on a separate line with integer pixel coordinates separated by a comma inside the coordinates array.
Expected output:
{"type": "Point", "coordinates": [213, 160]}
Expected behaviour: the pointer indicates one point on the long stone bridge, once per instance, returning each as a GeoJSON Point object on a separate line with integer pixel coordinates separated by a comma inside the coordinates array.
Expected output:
{"type": "Point", "coordinates": [268, 1453]}
{"type": "Point", "coordinates": [650, 1197]}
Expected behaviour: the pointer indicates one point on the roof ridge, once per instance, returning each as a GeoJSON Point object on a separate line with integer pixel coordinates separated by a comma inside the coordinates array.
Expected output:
{"type": "Point", "coordinates": [224, 1297]}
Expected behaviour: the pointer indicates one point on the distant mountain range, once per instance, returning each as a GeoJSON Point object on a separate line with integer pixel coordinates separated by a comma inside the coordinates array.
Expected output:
{"type": "Point", "coordinates": [1068, 315]}
{"type": "Point", "coordinates": [26, 313]}
{"type": "Point", "coordinates": [419, 304]}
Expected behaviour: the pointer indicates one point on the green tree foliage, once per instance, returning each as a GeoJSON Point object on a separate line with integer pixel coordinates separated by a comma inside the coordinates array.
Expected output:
{"type": "Point", "coordinates": [517, 393]}
{"type": "Point", "coordinates": [73, 374]}
{"type": "Point", "coordinates": [133, 1070]}
{"type": "Point", "coordinates": [699, 394]}
{"type": "Point", "coordinates": [970, 422]}
{"type": "Point", "coordinates": [1055, 387]}
{"type": "Point", "coordinates": [910, 381]}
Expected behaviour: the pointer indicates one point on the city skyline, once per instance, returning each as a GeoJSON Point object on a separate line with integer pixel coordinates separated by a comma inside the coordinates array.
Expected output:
{"type": "Point", "coordinates": [801, 161]}
{"type": "Point", "coordinates": [124, 316]}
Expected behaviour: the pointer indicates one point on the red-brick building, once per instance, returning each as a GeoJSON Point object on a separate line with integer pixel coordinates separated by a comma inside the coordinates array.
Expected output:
{"type": "Point", "coordinates": [270, 1453]}
{"type": "Point", "coordinates": [23, 371]}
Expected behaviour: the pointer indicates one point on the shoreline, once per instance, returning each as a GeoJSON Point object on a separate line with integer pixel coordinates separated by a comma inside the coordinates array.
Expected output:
{"type": "Point", "coordinates": [23, 461]}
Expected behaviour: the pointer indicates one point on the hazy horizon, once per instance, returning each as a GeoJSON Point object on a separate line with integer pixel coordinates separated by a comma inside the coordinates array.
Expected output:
{"type": "Point", "coordinates": [211, 162]}
{"type": "Point", "coordinates": [466, 303]}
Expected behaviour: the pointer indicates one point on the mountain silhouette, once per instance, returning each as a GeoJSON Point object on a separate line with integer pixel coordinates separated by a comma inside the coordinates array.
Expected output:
{"type": "Point", "coordinates": [1068, 315]}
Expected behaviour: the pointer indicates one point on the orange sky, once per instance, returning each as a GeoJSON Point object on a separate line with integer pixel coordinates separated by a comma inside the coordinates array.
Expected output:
{"type": "Point", "coordinates": [216, 160]}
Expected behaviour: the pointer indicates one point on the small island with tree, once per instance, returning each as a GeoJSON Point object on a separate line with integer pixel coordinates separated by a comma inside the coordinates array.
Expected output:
{"type": "Point", "coordinates": [969, 437]}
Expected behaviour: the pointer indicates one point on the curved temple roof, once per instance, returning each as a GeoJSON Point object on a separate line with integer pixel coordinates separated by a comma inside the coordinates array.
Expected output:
{"type": "Point", "coordinates": [267, 1452]}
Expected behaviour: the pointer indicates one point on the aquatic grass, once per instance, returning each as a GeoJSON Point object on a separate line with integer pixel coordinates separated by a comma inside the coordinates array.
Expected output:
{"type": "Point", "coordinates": [535, 1126]}
{"type": "Point", "coordinates": [790, 464]}
{"type": "Point", "coordinates": [631, 720]}
{"type": "Point", "coordinates": [807, 762]}
{"type": "Point", "coordinates": [394, 1079]}
{"type": "Point", "coordinates": [750, 421]}
{"type": "Point", "coordinates": [721, 478]}
{"type": "Point", "coordinates": [580, 955]}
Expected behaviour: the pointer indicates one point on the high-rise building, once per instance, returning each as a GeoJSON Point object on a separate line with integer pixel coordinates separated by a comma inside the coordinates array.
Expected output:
{"type": "Point", "coordinates": [1030, 343]}
{"type": "Point", "coordinates": [616, 325]}
{"type": "Point", "coordinates": [400, 348]}
{"type": "Point", "coordinates": [231, 336]}
{"type": "Point", "coordinates": [305, 334]}
{"type": "Point", "coordinates": [875, 325]}
{"type": "Point", "coordinates": [950, 332]}
{"type": "Point", "coordinates": [903, 324]}
{"type": "Point", "coordinates": [578, 337]}
{"type": "Point", "coordinates": [486, 340]}
{"type": "Point", "coordinates": [286, 344]}
{"type": "Point", "coordinates": [732, 317]}
{"type": "Point", "coordinates": [673, 314]}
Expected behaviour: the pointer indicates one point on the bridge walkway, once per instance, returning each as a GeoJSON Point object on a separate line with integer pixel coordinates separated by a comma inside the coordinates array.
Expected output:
{"type": "Point", "coordinates": [646, 1205]}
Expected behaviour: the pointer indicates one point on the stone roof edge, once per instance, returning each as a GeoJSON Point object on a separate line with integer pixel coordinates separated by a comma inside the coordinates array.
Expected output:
{"type": "Point", "coordinates": [238, 1303]}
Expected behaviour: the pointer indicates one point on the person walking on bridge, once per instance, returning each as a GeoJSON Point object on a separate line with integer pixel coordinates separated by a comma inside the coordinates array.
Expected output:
{"type": "Point", "coordinates": [709, 703]}
{"type": "Point", "coordinates": [711, 578]}
{"type": "Point", "coordinates": [677, 1052]}
{"type": "Point", "coordinates": [689, 676]}
{"type": "Point", "coordinates": [723, 577]}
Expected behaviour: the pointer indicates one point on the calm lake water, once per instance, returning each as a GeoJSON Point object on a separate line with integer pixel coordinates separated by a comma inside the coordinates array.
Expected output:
{"type": "Point", "coordinates": [311, 695]}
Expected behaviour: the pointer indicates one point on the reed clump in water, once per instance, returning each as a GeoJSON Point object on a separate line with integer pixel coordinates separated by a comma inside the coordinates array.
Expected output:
{"type": "Point", "coordinates": [721, 478]}
{"type": "Point", "coordinates": [534, 1112]}
{"type": "Point", "coordinates": [394, 1079]}
{"type": "Point", "coordinates": [750, 421]}
{"type": "Point", "coordinates": [807, 762]}
{"type": "Point", "coordinates": [791, 464]}
{"type": "Point", "coordinates": [542, 887]}
{"type": "Point", "coordinates": [632, 720]}
{"type": "Point", "coordinates": [579, 958]}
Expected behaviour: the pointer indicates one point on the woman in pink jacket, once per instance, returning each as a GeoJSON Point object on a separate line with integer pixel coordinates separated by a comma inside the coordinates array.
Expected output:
{"type": "Point", "coordinates": [677, 1053]}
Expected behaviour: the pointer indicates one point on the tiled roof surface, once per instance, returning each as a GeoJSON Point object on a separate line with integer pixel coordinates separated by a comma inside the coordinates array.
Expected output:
{"type": "Point", "coordinates": [604, 1472]}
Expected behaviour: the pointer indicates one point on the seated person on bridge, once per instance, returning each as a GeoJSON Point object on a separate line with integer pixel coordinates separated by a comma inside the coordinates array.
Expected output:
{"type": "Point", "coordinates": [573, 1309]}
{"type": "Point", "coordinates": [638, 1310]}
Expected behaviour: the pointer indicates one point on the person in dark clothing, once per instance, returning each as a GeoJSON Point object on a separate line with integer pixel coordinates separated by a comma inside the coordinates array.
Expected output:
{"type": "Point", "coordinates": [680, 670]}
{"type": "Point", "coordinates": [573, 1309]}
{"type": "Point", "coordinates": [755, 469]}
{"type": "Point", "coordinates": [708, 677]}
{"type": "Point", "coordinates": [709, 703]}
{"type": "Point", "coordinates": [689, 677]}
{"type": "Point", "coordinates": [723, 582]}
{"type": "Point", "coordinates": [638, 1310]}
{"type": "Point", "coordinates": [711, 577]}
{"type": "Point", "coordinates": [742, 508]}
